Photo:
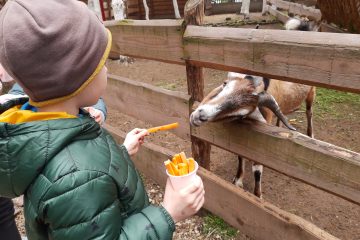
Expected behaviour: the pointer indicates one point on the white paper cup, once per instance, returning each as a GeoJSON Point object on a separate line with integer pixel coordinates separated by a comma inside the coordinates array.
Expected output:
{"type": "Point", "coordinates": [180, 182]}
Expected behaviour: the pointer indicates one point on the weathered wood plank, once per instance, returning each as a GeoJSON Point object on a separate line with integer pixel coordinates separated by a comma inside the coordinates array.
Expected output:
{"type": "Point", "coordinates": [329, 60]}
{"type": "Point", "coordinates": [325, 166]}
{"type": "Point", "coordinates": [298, 9]}
{"type": "Point", "coordinates": [324, 27]}
{"type": "Point", "coordinates": [149, 103]}
{"type": "Point", "coordinates": [252, 216]}
{"type": "Point", "coordinates": [282, 17]}
{"type": "Point", "coordinates": [323, 59]}
{"type": "Point", "coordinates": [154, 39]}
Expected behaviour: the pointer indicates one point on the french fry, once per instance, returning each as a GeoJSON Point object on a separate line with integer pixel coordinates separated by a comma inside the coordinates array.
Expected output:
{"type": "Point", "coordinates": [180, 165]}
{"type": "Point", "coordinates": [183, 157]}
{"type": "Point", "coordinates": [183, 169]}
{"type": "Point", "coordinates": [169, 167]}
{"type": "Point", "coordinates": [176, 159]}
{"type": "Point", "coordinates": [175, 169]}
{"type": "Point", "coordinates": [191, 164]}
{"type": "Point", "coordinates": [163, 128]}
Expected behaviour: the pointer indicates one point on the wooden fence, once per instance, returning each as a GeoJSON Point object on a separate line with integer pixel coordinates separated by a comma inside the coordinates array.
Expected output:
{"type": "Point", "coordinates": [329, 60]}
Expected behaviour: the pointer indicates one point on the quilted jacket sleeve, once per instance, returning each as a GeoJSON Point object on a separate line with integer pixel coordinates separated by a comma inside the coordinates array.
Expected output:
{"type": "Point", "coordinates": [85, 205]}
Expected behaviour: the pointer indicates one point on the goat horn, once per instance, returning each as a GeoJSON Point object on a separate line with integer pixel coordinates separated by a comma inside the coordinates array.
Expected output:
{"type": "Point", "coordinates": [267, 100]}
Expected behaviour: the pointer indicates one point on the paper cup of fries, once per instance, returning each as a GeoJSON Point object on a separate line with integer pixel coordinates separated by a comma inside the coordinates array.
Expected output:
{"type": "Point", "coordinates": [181, 170]}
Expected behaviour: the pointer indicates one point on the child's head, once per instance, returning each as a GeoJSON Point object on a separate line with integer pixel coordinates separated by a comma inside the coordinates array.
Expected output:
{"type": "Point", "coordinates": [55, 49]}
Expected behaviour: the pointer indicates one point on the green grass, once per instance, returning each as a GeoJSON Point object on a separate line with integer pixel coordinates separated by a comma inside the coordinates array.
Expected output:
{"type": "Point", "coordinates": [215, 225]}
{"type": "Point", "coordinates": [335, 104]}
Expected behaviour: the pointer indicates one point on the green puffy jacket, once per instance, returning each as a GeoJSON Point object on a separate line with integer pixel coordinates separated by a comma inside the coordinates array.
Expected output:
{"type": "Point", "coordinates": [78, 183]}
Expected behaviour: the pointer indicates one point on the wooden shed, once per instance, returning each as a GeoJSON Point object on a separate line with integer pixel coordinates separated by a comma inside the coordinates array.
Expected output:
{"type": "Point", "coordinates": [158, 9]}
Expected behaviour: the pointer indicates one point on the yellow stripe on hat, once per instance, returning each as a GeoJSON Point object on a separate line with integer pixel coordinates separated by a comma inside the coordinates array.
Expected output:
{"type": "Point", "coordinates": [85, 84]}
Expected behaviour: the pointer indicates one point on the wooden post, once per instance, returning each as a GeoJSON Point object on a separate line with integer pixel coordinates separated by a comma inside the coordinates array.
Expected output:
{"type": "Point", "coordinates": [194, 15]}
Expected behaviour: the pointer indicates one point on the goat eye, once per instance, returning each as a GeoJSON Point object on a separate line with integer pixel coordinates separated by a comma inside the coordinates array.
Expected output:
{"type": "Point", "coordinates": [224, 84]}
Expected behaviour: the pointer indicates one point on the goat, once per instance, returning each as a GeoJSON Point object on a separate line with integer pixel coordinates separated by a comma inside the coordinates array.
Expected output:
{"type": "Point", "coordinates": [244, 96]}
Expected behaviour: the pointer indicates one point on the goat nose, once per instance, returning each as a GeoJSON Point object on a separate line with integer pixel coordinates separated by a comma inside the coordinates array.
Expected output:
{"type": "Point", "coordinates": [201, 110]}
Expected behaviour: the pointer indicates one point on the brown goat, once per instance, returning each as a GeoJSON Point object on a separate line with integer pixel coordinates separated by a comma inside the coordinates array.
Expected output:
{"type": "Point", "coordinates": [240, 96]}
{"type": "Point", "coordinates": [244, 96]}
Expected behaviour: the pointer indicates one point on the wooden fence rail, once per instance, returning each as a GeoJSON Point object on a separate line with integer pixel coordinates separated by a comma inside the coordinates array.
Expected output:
{"type": "Point", "coordinates": [329, 60]}
{"type": "Point", "coordinates": [252, 216]}
{"type": "Point", "coordinates": [325, 166]}
{"type": "Point", "coordinates": [151, 104]}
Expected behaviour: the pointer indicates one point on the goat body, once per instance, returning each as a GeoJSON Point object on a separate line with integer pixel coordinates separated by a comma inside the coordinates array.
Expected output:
{"type": "Point", "coordinates": [290, 96]}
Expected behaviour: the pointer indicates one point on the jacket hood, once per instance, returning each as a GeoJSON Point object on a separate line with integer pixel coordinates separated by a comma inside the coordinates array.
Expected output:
{"type": "Point", "coordinates": [26, 148]}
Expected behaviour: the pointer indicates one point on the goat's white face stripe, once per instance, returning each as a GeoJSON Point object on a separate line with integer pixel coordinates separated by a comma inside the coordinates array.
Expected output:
{"type": "Point", "coordinates": [233, 75]}
{"type": "Point", "coordinates": [211, 109]}
{"type": "Point", "coordinates": [228, 89]}
{"type": "Point", "coordinates": [240, 112]}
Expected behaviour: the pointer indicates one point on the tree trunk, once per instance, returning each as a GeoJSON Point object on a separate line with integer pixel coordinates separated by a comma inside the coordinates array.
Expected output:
{"type": "Point", "coordinates": [146, 10]}
{"type": "Point", "coordinates": [245, 6]}
{"type": "Point", "coordinates": [345, 13]}
{"type": "Point", "coordinates": [263, 11]}
{"type": "Point", "coordinates": [176, 9]}
{"type": "Point", "coordinates": [119, 8]}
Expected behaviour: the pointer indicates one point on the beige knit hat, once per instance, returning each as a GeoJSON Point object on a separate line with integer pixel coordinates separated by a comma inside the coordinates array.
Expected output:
{"type": "Point", "coordinates": [52, 48]}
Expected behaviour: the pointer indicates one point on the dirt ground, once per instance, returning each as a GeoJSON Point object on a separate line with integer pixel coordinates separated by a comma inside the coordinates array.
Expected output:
{"type": "Point", "coordinates": [340, 127]}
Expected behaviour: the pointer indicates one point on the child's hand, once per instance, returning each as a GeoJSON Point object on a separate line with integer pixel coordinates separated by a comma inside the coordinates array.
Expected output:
{"type": "Point", "coordinates": [186, 202]}
{"type": "Point", "coordinates": [134, 139]}
{"type": "Point", "coordinates": [96, 114]}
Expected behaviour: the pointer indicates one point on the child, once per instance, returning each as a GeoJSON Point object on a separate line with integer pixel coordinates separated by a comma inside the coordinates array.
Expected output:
{"type": "Point", "coordinates": [78, 183]}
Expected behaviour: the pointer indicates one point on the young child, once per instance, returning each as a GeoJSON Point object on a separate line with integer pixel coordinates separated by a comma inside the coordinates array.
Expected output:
{"type": "Point", "coordinates": [78, 183]}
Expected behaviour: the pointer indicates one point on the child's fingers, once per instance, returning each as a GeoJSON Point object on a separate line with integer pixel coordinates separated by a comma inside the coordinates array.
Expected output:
{"type": "Point", "coordinates": [142, 133]}
{"type": "Point", "coordinates": [134, 131]}
{"type": "Point", "coordinates": [196, 186]}
{"type": "Point", "coordinates": [200, 204]}
{"type": "Point", "coordinates": [137, 131]}
{"type": "Point", "coordinates": [198, 198]}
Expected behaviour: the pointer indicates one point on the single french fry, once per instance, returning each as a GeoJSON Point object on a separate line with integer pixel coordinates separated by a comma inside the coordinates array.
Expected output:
{"type": "Point", "coordinates": [191, 164]}
{"type": "Point", "coordinates": [183, 157]}
{"type": "Point", "coordinates": [163, 128]}
{"type": "Point", "coordinates": [169, 167]}
{"type": "Point", "coordinates": [183, 169]}
{"type": "Point", "coordinates": [176, 159]}
{"type": "Point", "coordinates": [175, 169]}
